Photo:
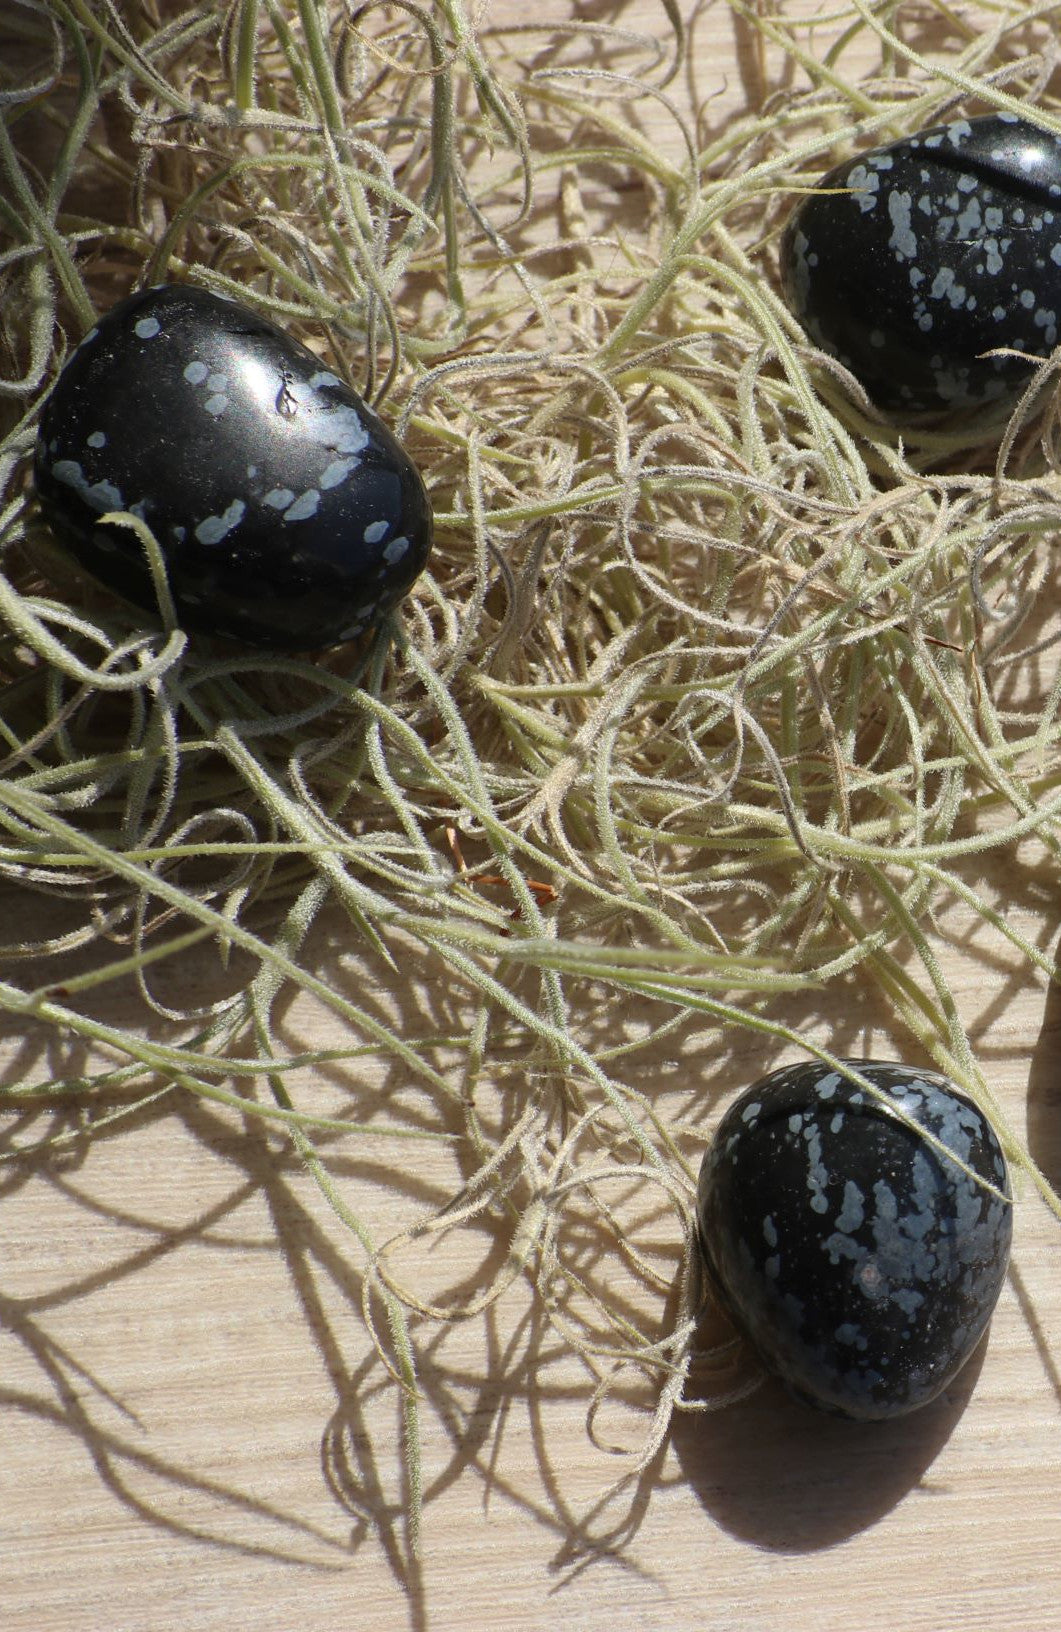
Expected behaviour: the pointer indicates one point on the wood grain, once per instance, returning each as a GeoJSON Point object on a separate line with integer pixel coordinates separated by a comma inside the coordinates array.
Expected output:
{"type": "Point", "coordinates": [198, 1435]}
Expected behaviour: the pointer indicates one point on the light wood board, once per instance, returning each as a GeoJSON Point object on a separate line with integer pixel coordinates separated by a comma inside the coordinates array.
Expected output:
{"type": "Point", "coordinates": [197, 1434]}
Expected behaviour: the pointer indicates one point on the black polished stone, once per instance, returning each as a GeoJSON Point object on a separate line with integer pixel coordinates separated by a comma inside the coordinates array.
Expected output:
{"type": "Point", "coordinates": [933, 251]}
{"type": "Point", "coordinates": [287, 513]}
{"type": "Point", "coordinates": [861, 1263]}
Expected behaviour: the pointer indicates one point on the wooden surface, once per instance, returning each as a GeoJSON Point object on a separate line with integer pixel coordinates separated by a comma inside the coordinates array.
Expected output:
{"type": "Point", "coordinates": [197, 1434]}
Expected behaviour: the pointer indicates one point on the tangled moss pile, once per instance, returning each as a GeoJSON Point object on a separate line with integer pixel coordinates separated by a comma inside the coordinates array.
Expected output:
{"type": "Point", "coordinates": [718, 677]}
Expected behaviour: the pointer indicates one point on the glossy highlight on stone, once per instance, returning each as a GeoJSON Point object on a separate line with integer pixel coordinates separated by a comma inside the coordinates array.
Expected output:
{"type": "Point", "coordinates": [936, 249]}
{"type": "Point", "coordinates": [862, 1264]}
{"type": "Point", "coordinates": [287, 513]}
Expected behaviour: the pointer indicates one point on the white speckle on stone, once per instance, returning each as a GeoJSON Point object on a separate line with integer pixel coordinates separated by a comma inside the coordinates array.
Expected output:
{"type": "Point", "coordinates": [1027, 299]}
{"type": "Point", "coordinates": [869, 1279]}
{"type": "Point", "coordinates": [278, 498]}
{"type": "Point", "coordinates": [865, 185]}
{"type": "Point", "coordinates": [876, 337]}
{"type": "Point", "coordinates": [852, 1212]}
{"type": "Point", "coordinates": [252, 471]}
{"type": "Point", "coordinates": [817, 1172]}
{"type": "Point", "coordinates": [196, 373]}
{"type": "Point", "coordinates": [970, 222]}
{"type": "Point", "coordinates": [101, 496]}
{"type": "Point", "coordinates": [338, 471]}
{"type": "Point", "coordinates": [215, 528]}
{"type": "Point", "coordinates": [218, 382]}
{"type": "Point", "coordinates": [903, 239]}
{"type": "Point", "coordinates": [951, 385]}
{"type": "Point", "coordinates": [375, 531]}
{"type": "Point", "coordinates": [995, 260]}
{"type": "Point", "coordinates": [322, 378]}
{"type": "Point", "coordinates": [343, 431]}
{"type": "Point", "coordinates": [104, 496]}
{"type": "Point", "coordinates": [216, 404]}
{"type": "Point", "coordinates": [943, 285]}
{"type": "Point", "coordinates": [304, 506]}
{"type": "Point", "coordinates": [395, 549]}
{"type": "Point", "coordinates": [96, 440]}
{"type": "Point", "coordinates": [147, 327]}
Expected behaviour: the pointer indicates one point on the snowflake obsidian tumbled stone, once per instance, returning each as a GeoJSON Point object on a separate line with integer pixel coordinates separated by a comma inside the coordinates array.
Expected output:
{"type": "Point", "coordinates": [915, 259]}
{"type": "Point", "coordinates": [287, 513]}
{"type": "Point", "coordinates": [861, 1262]}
